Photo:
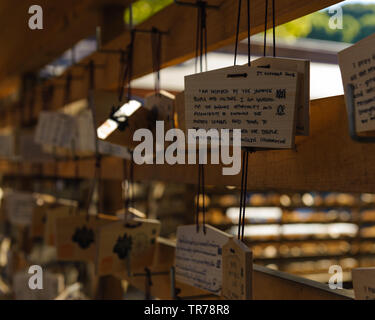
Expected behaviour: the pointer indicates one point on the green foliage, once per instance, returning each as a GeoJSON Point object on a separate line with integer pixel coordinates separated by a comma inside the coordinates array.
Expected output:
{"type": "Point", "coordinates": [358, 22]}
{"type": "Point", "coordinates": [143, 9]}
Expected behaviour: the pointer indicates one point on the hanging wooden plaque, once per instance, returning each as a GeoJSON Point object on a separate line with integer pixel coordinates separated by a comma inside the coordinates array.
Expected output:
{"type": "Point", "coordinates": [163, 104]}
{"type": "Point", "coordinates": [55, 129]}
{"type": "Point", "coordinates": [199, 257]}
{"type": "Point", "coordinates": [260, 102]}
{"type": "Point", "coordinates": [76, 236]}
{"type": "Point", "coordinates": [19, 208]}
{"type": "Point", "coordinates": [364, 283]}
{"type": "Point", "coordinates": [302, 67]}
{"type": "Point", "coordinates": [126, 246]}
{"type": "Point", "coordinates": [357, 65]}
{"type": "Point", "coordinates": [52, 215]}
{"type": "Point", "coordinates": [237, 271]}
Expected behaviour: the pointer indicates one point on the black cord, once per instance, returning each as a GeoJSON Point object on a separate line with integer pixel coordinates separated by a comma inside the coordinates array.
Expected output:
{"type": "Point", "coordinates": [238, 31]}
{"type": "Point", "coordinates": [200, 52]}
{"type": "Point", "coordinates": [243, 196]}
{"type": "Point", "coordinates": [248, 33]}
{"type": "Point", "coordinates": [265, 29]}
{"type": "Point", "coordinates": [273, 28]}
{"type": "Point", "coordinates": [156, 42]}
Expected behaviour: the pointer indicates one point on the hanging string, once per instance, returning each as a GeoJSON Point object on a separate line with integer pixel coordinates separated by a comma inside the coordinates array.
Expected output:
{"type": "Point", "coordinates": [243, 196]}
{"type": "Point", "coordinates": [68, 86]}
{"type": "Point", "coordinates": [265, 29]}
{"type": "Point", "coordinates": [47, 95]}
{"type": "Point", "coordinates": [122, 75]}
{"type": "Point", "coordinates": [238, 31]}
{"type": "Point", "coordinates": [201, 36]}
{"type": "Point", "coordinates": [97, 170]}
{"type": "Point", "coordinates": [125, 76]}
{"type": "Point", "coordinates": [31, 103]}
{"type": "Point", "coordinates": [125, 189]}
{"type": "Point", "coordinates": [273, 28]}
{"type": "Point", "coordinates": [156, 43]}
{"type": "Point", "coordinates": [66, 100]}
{"type": "Point", "coordinates": [200, 54]}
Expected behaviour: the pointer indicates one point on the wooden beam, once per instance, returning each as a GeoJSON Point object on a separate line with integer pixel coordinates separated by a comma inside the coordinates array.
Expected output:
{"type": "Point", "coordinates": [267, 284]}
{"type": "Point", "coordinates": [64, 24]}
{"type": "Point", "coordinates": [179, 44]}
{"type": "Point", "coordinates": [327, 160]}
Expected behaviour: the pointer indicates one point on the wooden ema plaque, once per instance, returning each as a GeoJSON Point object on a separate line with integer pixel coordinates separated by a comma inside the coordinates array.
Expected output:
{"type": "Point", "coordinates": [237, 271]}
{"type": "Point", "coordinates": [52, 215]}
{"type": "Point", "coordinates": [357, 65]}
{"type": "Point", "coordinates": [126, 246]}
{"type": "Point", "coordinates": [259, 101]}
{"type": "Point", "coordinates": [163, 104]}
{"type": "Point", "coordinates": [364, 283]}
{"type": "Point", "coordinates": [199, 257]}
{"type": "Point", "coordinates": [55, 129]}
{"type": "Point", "coordinates": [76, 236]}
{"type": "Point", "coordinates": [302, 67]}
{"type": "Point", "coordinates": [19, 208]}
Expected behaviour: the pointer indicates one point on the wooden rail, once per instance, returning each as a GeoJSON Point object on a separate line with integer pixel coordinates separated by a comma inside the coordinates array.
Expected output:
{"type": "Point", "coordinates": [267, 284]}
{"type": "Point", "coordinates": [327, 160]}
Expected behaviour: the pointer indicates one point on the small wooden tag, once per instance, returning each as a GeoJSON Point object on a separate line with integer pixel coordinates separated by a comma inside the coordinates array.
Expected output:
{"type": "Point", "coordinates": [199, 257]}
{"type": "Point", "coordinates": [55, 129]}
{"type": "Point", "coordinates": [364, 283]}
{"type": "Point", "coordinates": [19, 208]}
{"type": "Point", "coordinates": [76, 236]}
{"type": "Point", "coordinates": [357, 65]}
{"type": "Point", "coordinates": [163, 104]}
{"type": "Point", "coordinates": [261, 102]}
{"type": "Point", "coordinates": [237, 271]}
{"type": "Point", "coordinates": [52, 215]}
{"type": "Point", "coordinates": [122, 245]}
{"type": "Point", "coordinates": [302, 67]}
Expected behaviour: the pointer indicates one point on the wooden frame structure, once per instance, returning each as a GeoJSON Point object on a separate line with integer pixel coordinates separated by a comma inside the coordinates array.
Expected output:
{"type": "Point", "coordinates": [320, 162]}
